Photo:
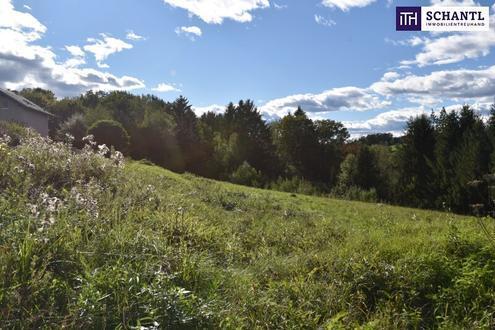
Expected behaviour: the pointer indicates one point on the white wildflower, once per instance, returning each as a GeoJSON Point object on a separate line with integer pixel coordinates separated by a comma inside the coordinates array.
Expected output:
{"type": "Point", "coordinates": [103, 150]}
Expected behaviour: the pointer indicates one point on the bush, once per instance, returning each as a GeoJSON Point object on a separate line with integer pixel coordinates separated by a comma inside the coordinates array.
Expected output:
{"type": "Point", "coordinates": [246, 175]}
{"type": "Point", "coordinates": [75, 127]}
{"type": "Point", "coordinates": [295, 185]}
{"type": "Point", "coordinates": [38, 163]}
{"type": "Point", "coordinates": [357, 194]}
{"type": "Point", "coordinates": [110, 133]}
{"type": "Point", "coordinates": [14, 131]}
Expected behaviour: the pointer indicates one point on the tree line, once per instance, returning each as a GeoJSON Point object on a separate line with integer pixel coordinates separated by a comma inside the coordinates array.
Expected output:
{"type": "Point", "coordinates": [442, 162]}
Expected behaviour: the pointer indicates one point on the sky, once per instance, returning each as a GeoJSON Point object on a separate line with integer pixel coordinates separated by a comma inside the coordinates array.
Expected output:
{"type": "Point", "coordinates": [337, 59]}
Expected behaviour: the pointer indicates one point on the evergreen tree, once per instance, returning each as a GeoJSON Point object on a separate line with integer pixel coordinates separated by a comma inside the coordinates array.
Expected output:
{"type": "Point", "coordinates": [417, 156]}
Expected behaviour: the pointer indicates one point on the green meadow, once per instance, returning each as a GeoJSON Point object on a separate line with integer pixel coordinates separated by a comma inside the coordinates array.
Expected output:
{"type": "Point", "coordinates": [88, 240]}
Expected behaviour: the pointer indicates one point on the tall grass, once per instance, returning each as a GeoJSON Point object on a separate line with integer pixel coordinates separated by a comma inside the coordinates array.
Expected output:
{"type": "Point", "coordinates": [87, 241]}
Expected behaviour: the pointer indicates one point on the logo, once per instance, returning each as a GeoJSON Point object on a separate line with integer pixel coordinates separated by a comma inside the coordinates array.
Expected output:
{"type": "Point", "coordinates": [408, 19]}
{"type": "Point", "coordinates": [442, 19]}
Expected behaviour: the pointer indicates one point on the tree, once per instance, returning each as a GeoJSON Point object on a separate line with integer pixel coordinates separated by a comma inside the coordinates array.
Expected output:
{"type": "Point", "coordinates": [111, 133]}
{"type": "Point", "coordinates": [186, 133]}
{"type": "Point", "coordinates": [359, 170]}
{"type": "Point", "coordinates": [41, 97]}
{"type": "Point", "coordinates": [348, 173]}
{"type": "Point", "coordinates": [447, 140]}
{"type": "Point", "coordinates": [63, 110]}
{"type": "Point", "coordinates": [297, 143]}
{"type": "Point", "coordinates": [154, 139]}
{"type": "Point", "coordinates": [417, 156]}
{"type": "Point", "coordinates": [386, 139]}
{"type": "Point", "coordinates": [367, 175]}
{"type": "Point", "coordinates": [329, 131]}
{"type": "Point", "coordinates": [253, 137]}
{"type": "Point", "coordinates": [471, 159]}
{"type": "Point", "coordinates": [491, 137]}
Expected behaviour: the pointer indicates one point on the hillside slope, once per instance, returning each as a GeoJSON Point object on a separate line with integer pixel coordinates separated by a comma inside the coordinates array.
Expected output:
{"type": "Point", "coordinates": [88, 243]}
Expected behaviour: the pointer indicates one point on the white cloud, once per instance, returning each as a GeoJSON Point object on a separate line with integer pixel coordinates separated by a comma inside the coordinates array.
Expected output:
{"type": "Point", "coordinates": [461, 83]}
{"type": "Point", "coordinates": [102, 48]}
{"type": "Point", "coordinates": [451, 48]}
{"type": "Point", "coordinates": [454, 3]}
{"type": "Point", "coordinates": [390, 76]}
{"type": "Point", "coordinates": [394, 121]}
{"type": "Point", "coordinates": [454, 48]}
{"type": "Point", "coordinates": [189, 31]}
{"type": "Point", "coordinates": [215, 108]}
{"type": "Point", "coordinates": [25, 64]}
{"type": "Point", "coordinates": [463, 86]}
{"type": "Point", "coordinates": [215, 11]}
{"type": "Point", "coordinates": [337, 99]}
{"type": "Point", "coordinates": [27, 7]}
{"type": "Point", "coordinates": [77, 58]}
{"type": "Point", "coordinates": [131, 35]}
{"type": "Point", "coordinates": [75, 51]}
{"type": "Point", "coordinates": [391, 122]}
{"type": "Point", "coordinates": [278, 6]}
{"type": "Point", "coordinates": [324, 21]}
{"type": "Point", "coordinates": [345, 5]}
{"type": "Point", "coordinates": [165, 88]}
{"type": "Point", "coordinates": [18, 21]}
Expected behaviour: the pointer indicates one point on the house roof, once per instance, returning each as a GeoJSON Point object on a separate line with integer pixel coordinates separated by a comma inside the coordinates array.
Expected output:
{"type": "Point", "coordinates": [23, 101]}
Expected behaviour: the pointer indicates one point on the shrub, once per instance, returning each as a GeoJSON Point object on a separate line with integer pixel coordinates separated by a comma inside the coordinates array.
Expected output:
{"type": "Point", "coordinates": [295, 185]}
{"type": "Point", "coordinates": [246, 175]}
{"type": "Point", "coordinates": [357, 194]}
{"type": "Point", "coordinates": [14, 131]}
{"type": "Point", "coordinates": [75, 127]}
{"type": "Point", "coordinates": [38, 163]}
{"type": "Point", "coordinates": [110, 133]}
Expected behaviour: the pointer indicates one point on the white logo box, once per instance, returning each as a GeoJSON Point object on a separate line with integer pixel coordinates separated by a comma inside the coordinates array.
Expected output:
{"type": "Point", "coordinates": [450, 19]}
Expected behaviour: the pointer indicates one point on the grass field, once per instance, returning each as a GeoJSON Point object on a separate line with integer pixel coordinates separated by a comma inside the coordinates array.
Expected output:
{"type": "Point", "coordinates": [85, 243]}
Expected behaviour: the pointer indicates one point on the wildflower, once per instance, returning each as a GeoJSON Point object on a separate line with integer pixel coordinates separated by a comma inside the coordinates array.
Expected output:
{"type": "Point", "coordinates": [5, 139]}
{"type": "Point", "coordinates": [118, 158]}
{"type": "Point", "coordinates": [103, 150]}
{"type": "Point", "coordinates": [89, 140]}
{"type": "Point", "coordinates": [69, 138]}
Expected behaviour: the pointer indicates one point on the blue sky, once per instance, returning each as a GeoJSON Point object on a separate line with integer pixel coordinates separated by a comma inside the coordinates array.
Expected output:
{"type": "Point", "coordinates": [338, 59]}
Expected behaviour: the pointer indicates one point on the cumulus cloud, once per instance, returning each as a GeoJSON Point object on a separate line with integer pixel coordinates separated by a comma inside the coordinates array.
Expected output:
{"type": "Point", "coordinates": [104, 47]}
{"type": "Point", "coordinates": [390, 121]}
{"type": "Point", "coordinates": [165, 88]}
{"type": "Point", "coordinates": [337, 99]}
{"type": "Point", "coordinates": [25, 64]}
{"type": "Point", "coordinates": [427, 91]}
{"type": "Point", "coordinates": [345, 5]}
{"type": "Point", "coordinates": [453, 48]}
{"type": "Point", "coordinates": [390, 76]}
{"type": "Point", "coordinates": [454, 3]}
{"type": "Point", "coordinates": [215, 108]}
{"type": "Point", "coordinates": [324, 21]}
{"type": "Point", "coordinates": [461, 83]}
{"type": "Point", "coordinates": [75, 50]}
{"type": "Point", "coordinates": [18, 21]}
{"type": "Point", "coordinates": [189, 31]}
{"type": "Point", "coordinates": [215, 11]}
{"type": "Point", "coordinates": [395, 121]}
{"type": "Point", "coordinates": [131, 35]}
